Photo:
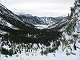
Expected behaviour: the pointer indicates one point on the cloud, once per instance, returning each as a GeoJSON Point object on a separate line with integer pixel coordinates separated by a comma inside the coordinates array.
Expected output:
{"type": "Point", "coordinates": [40, 7]}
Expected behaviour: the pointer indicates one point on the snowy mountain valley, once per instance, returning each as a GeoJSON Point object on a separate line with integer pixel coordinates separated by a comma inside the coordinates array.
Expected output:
{"type": "Point", "coordinates": [25, 36]}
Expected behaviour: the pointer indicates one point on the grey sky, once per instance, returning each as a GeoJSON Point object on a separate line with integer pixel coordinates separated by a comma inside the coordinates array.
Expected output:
{"type": "Point", "coordinates": [40, 7]}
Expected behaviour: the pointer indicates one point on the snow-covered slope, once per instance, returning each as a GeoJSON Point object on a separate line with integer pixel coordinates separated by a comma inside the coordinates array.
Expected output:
{"type": "Point", "coordinates": [42, 22]}
{"type": "Point", "coordinates": [59, 24]}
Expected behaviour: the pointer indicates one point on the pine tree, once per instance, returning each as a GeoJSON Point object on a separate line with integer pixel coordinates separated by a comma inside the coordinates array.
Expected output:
{"type": "Point", "coordinates": [72, 30]}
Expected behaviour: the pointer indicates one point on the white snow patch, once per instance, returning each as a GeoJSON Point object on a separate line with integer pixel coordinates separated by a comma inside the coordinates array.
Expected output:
{"type": "Point", "coordinates": [41, 26]}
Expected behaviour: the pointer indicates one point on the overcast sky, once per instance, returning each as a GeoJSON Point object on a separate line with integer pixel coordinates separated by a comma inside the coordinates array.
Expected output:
{"type": "Point", "coordinates": [40, 7]}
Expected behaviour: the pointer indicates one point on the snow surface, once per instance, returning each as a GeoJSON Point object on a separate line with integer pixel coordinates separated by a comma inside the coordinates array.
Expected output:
{"type": "Point", "coordinates": [59, 55]}
{"type": "Point", "coordinates": [50, 57]}
{"type": "Point", "coordinates": [41, 26]}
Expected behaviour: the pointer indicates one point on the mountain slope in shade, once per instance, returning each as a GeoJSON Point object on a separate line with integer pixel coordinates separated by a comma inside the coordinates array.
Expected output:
{"type": "Point", "coordinates": [42, 22]}
{"type": "Point", "coordinates": [30, 19]}
{"type": "Point", "coordinates": [12, 18]}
